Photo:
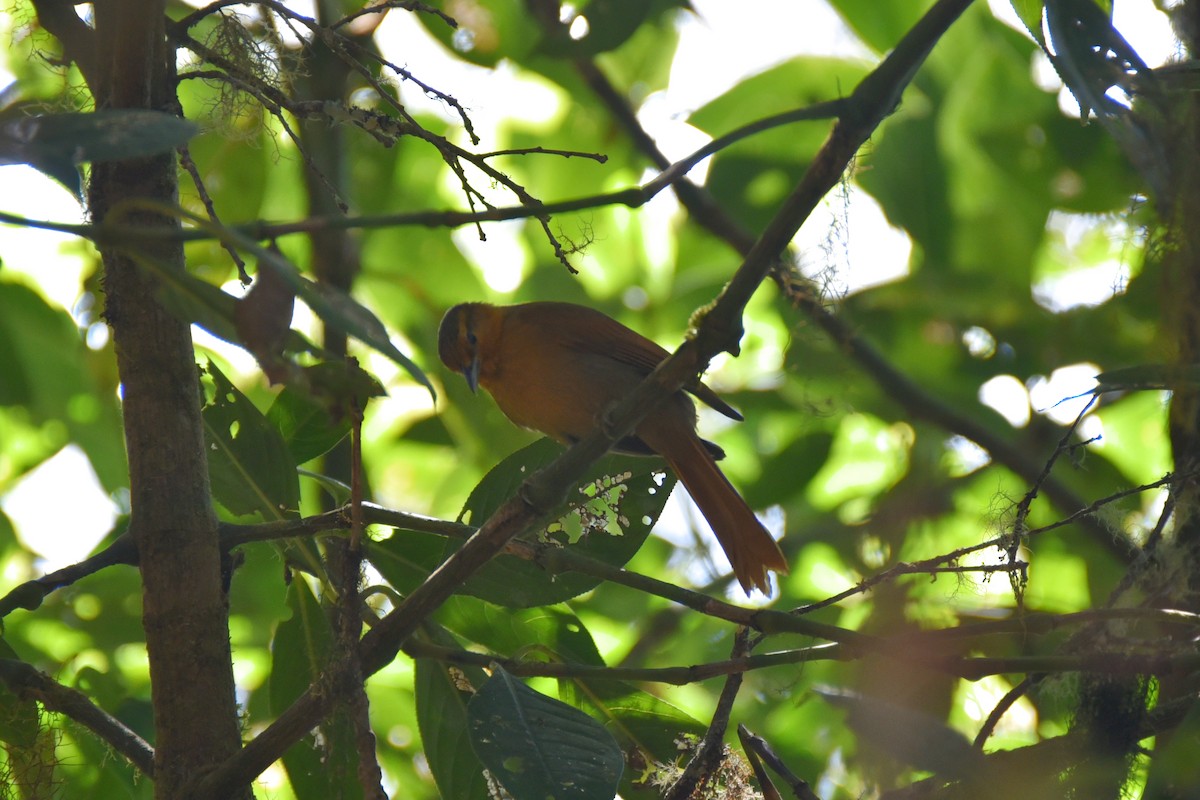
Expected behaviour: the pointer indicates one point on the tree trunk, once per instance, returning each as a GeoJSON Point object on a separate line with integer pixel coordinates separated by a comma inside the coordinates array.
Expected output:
{"type": "Point", "coordinates": [185, 606]}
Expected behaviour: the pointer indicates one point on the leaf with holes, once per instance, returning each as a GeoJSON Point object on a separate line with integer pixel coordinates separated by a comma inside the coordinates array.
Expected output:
{"type": "Point", "coordinates": [610, 516]}
{"type": "Point", "coordinates": [249, 465]}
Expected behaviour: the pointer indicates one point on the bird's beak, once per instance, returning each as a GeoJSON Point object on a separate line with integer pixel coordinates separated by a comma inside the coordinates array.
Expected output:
{"type": "Point", "coordinates": [471, 373]}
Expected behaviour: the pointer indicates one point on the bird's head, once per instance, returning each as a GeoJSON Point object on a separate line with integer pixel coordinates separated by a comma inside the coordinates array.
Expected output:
{"type": "Point", "coordinates": [458, 339]}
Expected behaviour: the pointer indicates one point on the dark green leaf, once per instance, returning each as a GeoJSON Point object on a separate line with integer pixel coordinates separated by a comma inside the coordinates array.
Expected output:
{"type": "Point", "coordinates": [610, 23]}
{"type": "Point", "coordinates": [442, 694]}
{"type": "Point", "coordinates": [407, 557]}
{"type": "Point", "coordinates": [554, 632]}
{"type": "Point", "coordinates": [249, 465]}
{"type": "Point", "coordinates": [538, 747]}
{"type": "Point", "coordinates": [324, 767]}
{"type": "Point", "coordinates": [56, 143]}
{"type": "Point", "coordinates": [305, 425]}
{"type": "Point", "coordinates": [646, 727]}
{"type": "Point", "coordinates": [611, 515]}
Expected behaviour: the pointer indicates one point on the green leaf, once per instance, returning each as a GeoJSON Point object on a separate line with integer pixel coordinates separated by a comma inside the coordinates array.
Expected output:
{"type": "Point", "coordinates": [754, 175]}
{"type": "Point", "coordinates": [348, 315]}
{"type": "Point", "coordinates": [56, 143]}
{"type": "Point", "coordinates": [406, 558]}
{"type": "Point", "coordinates": [318, 767]}
{"type": "Point", "coordinates": [646, 727]}
{"type": "Point", "coordinates": [195, 301]}
{"type": "Point", "coordinates": [610, 23]}
{"type": "Point", "coordinates": [305, 425]}
{"type": "Point", "coordinates": [299, 648]}
{"type": "Point", "coordinates": [640, 722]}
{"type": "Point", "coordinates": [1030, 12]}
{"type": "Point", "coordinates": [538, 747]}
{"type": "Point", "coordinates": [442, 694]}
{"type": "Point", "coordinates": [198, 302]}
{"type": "Point", "coordinates": [337, 309]}
{"type": "Point", "coordinates": [553, 631]}
{"type": "Point", "coordinates": [880, 24]}
{"type": "Point", "coordinates": [249, 465]}
{"type": "Point", "coordinates": [790, 470]}
{"type": "Point", "coordinates": [608, 520]}
{"type": "Point", "coordinates": [46, 369]}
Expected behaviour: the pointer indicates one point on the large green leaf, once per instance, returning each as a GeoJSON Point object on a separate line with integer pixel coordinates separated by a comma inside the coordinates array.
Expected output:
{"type": "Point", "coordinates": [550, 632]}
{"type": "Point", "coordinates": [880, 25]}
{"type": "Point", "coordinates": [249, 464]}
{"type": "Point", "coordinates": [306, 425]}
{"type": "Point", "coordinates": [538, 747]}
{"type": "Point", "coordinates": [442, 694]}
{"type": "Point", "coordinates": [646, 727]}
{"type": "Point", "coordinates": [46, 370]}
{"type": "Point", "coordinates": [57, 143]}
{"type": "Point", "coordinates": [610, 516]}
{"type": "Point", "coordinates": [754, 175]}
{"type": "Point", "coordinates": [318, 767]}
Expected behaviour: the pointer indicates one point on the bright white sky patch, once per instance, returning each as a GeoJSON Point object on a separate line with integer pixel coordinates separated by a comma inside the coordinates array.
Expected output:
{"type": "Point", "coordinates": [1107, 243]}
{"type": "Point", "coordinates": [1008, 397]}
{"type": "Point", "coordinates": [502, 258]}
{"type": "Point", "coordinates": [60, 532]}
{"type": "Point", "coordinates": [1065, 393]}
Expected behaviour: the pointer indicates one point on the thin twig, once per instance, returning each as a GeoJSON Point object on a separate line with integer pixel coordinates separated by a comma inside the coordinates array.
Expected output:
{"type": "Point", "coordinates": [1001, 708]}
{"type": "Point", "coordinates": [708, 755]}
{"type": "Point", "coordinates": [675, 676]}
{"type": "Point", "coordinates": [385, 5]}
{"type": "Point", "coordinates": [1064, 444]}
{"type": "Point", "coordinates": [189, 166]}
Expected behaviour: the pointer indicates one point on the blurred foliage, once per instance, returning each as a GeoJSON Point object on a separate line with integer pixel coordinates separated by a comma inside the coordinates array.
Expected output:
{"type": "Point", "coordinates": [1009, 204]}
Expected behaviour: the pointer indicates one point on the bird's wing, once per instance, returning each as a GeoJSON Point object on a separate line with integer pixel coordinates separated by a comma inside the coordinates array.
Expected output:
{"type": "Point", "coordinates": [603, 335]}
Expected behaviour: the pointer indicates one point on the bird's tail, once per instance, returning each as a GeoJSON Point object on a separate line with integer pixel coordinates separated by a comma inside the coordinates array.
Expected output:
{"type": "Point", "coordinates": [746, 543]}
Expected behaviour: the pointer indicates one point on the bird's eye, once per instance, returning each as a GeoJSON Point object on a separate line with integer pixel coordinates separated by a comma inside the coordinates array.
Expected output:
{"type": "Point", "coordinates": [472, 339]}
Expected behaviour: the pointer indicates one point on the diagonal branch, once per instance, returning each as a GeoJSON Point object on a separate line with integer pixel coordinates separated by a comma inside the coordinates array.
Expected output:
{"type": "Point", "coordinates": [903, 390]}
{"type": "Point", "coordinates": [29, 683]}
{"type": "Point", "coordinates": [720, 329]}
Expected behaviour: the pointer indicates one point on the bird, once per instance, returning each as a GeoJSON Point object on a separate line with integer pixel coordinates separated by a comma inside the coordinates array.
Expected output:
{"type": "Point", "coordinates": [556, 367]}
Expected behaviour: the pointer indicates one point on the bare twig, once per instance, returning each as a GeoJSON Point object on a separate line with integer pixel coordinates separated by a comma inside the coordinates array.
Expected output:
{"type": "Point", "coordinates": [708, 755]}
{"type": "Point", "coordinates": [675, 676]}
{"type": "Point", "coordinates": [760, 748]}
{"type": "Point", "coordinates": [1001, 708]}
{"type": "Point", "coordinates": [383, 6]}
{"type": "Point", "coordinates": [382, 127]}
{"type": "Point", "coordinates": [189, 166]}
{"type": "Point", "coordinates": [1064, 444]}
